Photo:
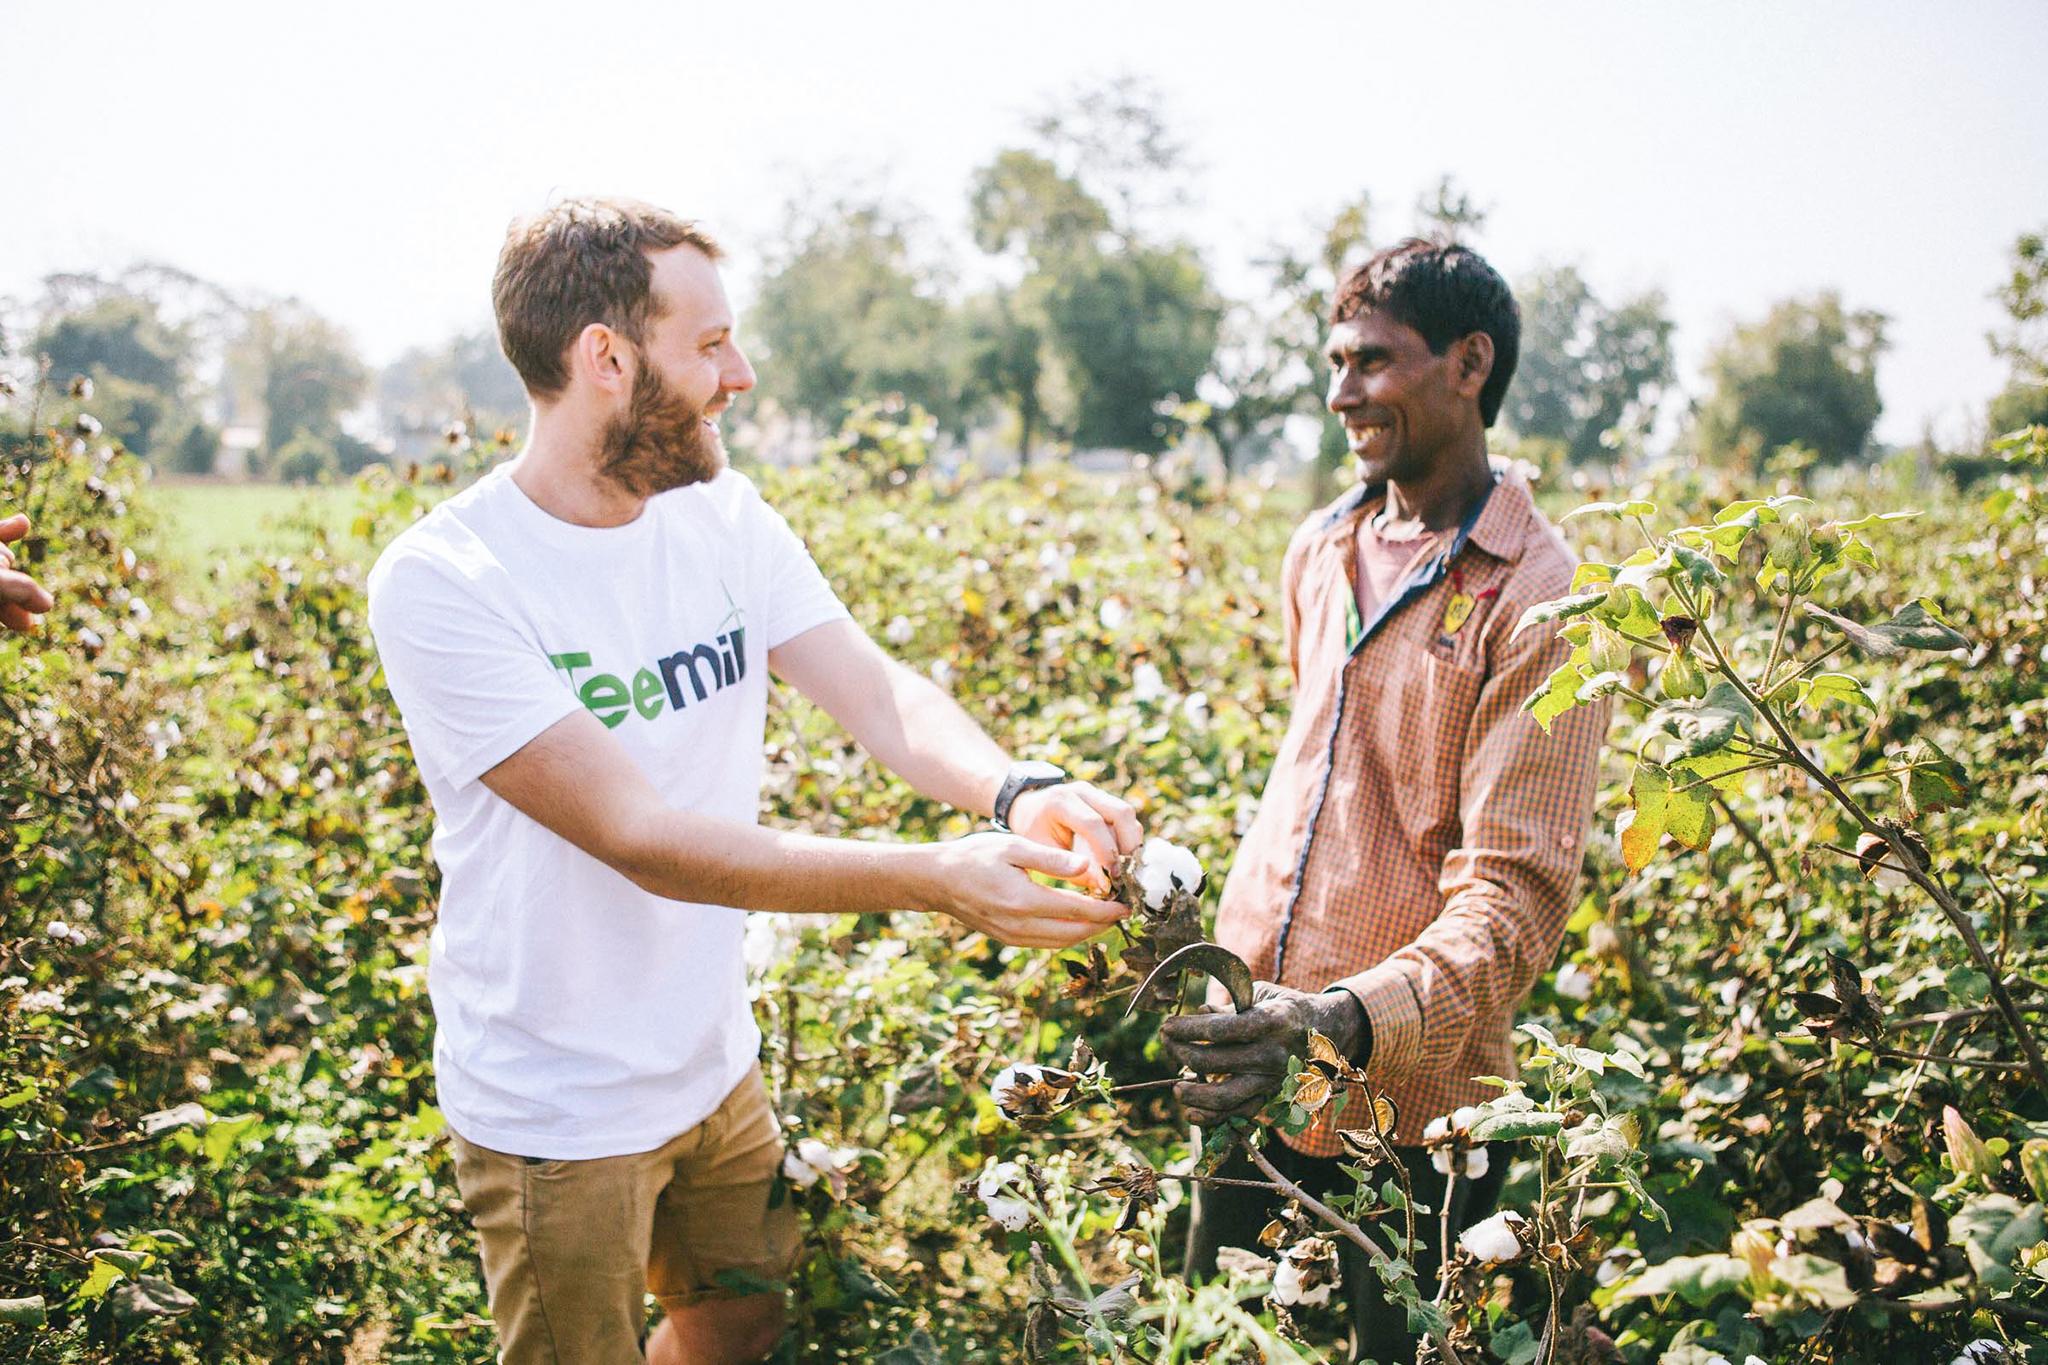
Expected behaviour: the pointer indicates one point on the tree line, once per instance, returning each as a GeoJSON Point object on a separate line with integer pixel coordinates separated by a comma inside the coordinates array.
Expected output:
{"type": "Point", "coordinates": [1090, 322]}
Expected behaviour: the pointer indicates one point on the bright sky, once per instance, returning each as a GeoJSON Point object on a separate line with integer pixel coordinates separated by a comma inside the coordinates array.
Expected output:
{"type": "Point", "coordinates": [366, 157]}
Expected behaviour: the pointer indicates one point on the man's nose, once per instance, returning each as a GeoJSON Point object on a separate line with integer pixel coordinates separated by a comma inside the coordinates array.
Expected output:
{"type": "Point", "coordinates": [739, 373]}
{"type": "Point", "coordinates": [1345, 392]}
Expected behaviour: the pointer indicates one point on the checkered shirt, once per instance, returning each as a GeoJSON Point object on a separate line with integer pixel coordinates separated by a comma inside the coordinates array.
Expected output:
{"type": "Point", "coordinates": [1420, 837]}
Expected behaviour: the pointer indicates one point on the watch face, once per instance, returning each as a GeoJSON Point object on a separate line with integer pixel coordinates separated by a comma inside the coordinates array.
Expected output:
{"type": "Point", "coordinates": [1034, 770]}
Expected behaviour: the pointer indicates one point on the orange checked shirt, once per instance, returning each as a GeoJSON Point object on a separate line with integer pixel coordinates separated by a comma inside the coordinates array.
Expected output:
{"type": "Point", "coordinates": [1420, 836]}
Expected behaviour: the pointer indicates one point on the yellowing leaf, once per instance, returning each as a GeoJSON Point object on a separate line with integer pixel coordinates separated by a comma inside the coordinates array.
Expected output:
{"type": "Point", "coordinates": [1641, 827]}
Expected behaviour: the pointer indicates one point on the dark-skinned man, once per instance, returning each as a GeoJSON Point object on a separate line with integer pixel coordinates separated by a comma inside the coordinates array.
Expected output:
{"type": "Point", "coordinates": [1419, 837]}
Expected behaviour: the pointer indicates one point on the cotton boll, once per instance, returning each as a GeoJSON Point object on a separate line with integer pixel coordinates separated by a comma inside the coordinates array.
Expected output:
{"type": "Point", "coordinates": [811, 1161]}
{"type": "Point", "coordinates": [1010, 1212]}
{"type": "Point", "coordinates": [1494, 1239]}
{"type": "Point", "coordinates": [1163, 866]}
{"type": "Point", "coordinates": [1307, 1274]}
{"type": "Point", "coordinates": [1574, 982]}
{"type": "Point", "coordinates": [1011, 1083]}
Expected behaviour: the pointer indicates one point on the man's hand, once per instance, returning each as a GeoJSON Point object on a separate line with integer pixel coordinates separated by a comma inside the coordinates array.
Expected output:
{"type": "Point", "coordinates": [1243, 1057]}
{"type": "Point", "coordinates": [981, 881]}
{"type": "Point", "coordinates": [1079, 815]}
{"type": "Point", "coordinates": [21, 597]}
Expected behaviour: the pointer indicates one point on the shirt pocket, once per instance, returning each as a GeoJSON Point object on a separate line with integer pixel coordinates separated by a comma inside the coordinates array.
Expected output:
{"type": "Point", "coordinates": [1436, 699]}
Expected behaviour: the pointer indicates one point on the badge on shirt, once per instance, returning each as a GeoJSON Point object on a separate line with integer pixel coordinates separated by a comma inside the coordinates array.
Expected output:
{"type": "Point", "coordinates": [1458, 611]}
{"type": "Point", "coordinates": [1354, 624]}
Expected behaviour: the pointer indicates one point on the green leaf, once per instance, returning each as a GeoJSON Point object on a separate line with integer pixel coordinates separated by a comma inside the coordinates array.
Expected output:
{"type": "Point", "coordinates": [2034, 1165]}
{"type": "Point", "coordinates": [1699, 1280]}
{"type": "Point", "coordinates": [1874, 519]}
{"type": "Point", "coordinates": [1992, 1230]}
{"type": "Point", "coordinates": [224, 1135]}
{"type": "Point", "coordinates": [1717, 768]}
{"type": "Point", "coordinates": [1515, 1344]}
{"type": "Point", "coordinates": [1823, 688]}
{"type": "Point", "coordinates": [1511, 1127]}
{"type": "Point", "coordinates": [1933, 782]}
{"type": "Point", "coordinates": [1689, 815]}
{"type": "Point", "coordinates": [1708, 725]}
{"type": "Point", "coordinates": [1600, 1138]}
{"type": "Point", "coordinates": [1558, 609]}
{"type": "Point", "coordinates": [1913, 626]}
{"type": "Point", "coordinates": [1634, 508]}
{"type": "Point", "coordinates": [102, 1277]}
{"type": "Point", "coordinates": [1558, 695]}
{"type": "Point", "coordinates": [1695, 568]}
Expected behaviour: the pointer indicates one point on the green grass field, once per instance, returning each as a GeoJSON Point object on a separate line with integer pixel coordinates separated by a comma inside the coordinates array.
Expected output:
{"type": "Point", "coordinates": [207, 523]}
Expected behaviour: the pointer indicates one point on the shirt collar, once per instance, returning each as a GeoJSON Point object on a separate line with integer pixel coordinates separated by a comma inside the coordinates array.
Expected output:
{"type": "Point", "coordinates": [1502, 525]}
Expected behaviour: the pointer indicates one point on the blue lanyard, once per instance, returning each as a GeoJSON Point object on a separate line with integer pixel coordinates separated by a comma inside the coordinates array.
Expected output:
{"type": "Point", "coordinates": [1425, 577]}
{"type": "Point", "coordinates": [1416, 584]}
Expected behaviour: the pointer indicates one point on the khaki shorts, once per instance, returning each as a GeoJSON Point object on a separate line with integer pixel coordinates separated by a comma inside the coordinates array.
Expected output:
{"type": "Point", "coordinates": [570, 1248]}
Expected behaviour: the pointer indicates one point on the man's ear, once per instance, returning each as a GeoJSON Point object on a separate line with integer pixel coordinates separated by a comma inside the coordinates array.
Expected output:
{"type": "Point", "coordinates": [601, 357]}
{"type": "Point", "coordinates": [1475, 363]}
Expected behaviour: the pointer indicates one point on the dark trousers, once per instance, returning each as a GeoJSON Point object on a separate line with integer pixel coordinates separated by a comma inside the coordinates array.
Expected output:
{"type": "Point", "coordinates": [1231, 1216]}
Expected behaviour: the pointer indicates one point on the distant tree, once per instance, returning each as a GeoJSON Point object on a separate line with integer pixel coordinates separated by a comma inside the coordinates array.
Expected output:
{"type": "Point", "coordinates": [1806, 375]}
{"type": "Point", "coordinates": [2023, 341]}
{"type": "Point", "coordinates": [1113, 139]}
{"type": "Point", "coordinates": [848, 313]}
{"type": "Point", "coordinates": [1447, 213]}
{"type": "Point", "coordinates": [1270, 366]}
{"type": "Point", "coordinates": [466, 378]}
{"type": "Point", "coordinates": [1585, 368]}
{"type": "Point", "coordinates": [140, 365]}
{"type": "Point", "coordinates": [306, 372]}
{"type": "Point", "coordinates": [1136, 329]}
{"type": "Point", "coordinates": [307, 457]}
{"type": "Point", "coordinates": [196, 449]}
{"type": "Point", "coordinates": [1128, 321]}
{"type": "Point", "coordinates": [123, 336]}
{"type": "Point", "coordinates": [1003, 361]}
{"type": "Point", "coordinates": [1021, 205]}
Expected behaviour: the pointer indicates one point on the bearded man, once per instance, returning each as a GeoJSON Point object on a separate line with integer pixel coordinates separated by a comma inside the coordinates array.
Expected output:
{"type": "Point", "coordinates": [579, 645]}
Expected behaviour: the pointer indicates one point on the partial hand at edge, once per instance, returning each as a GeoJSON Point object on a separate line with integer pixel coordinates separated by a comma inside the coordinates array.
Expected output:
{"type": "Point", "coordinates": [21, 597]}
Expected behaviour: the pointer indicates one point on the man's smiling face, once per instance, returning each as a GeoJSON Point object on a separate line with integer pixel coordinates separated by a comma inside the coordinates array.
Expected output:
{"type": "Point", "coordinates": [689, 371]}
{"type": "Point", "coordinates": [1399, 401]}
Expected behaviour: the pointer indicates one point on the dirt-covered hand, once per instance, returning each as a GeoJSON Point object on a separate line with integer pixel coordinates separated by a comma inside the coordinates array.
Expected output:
{"type": "Point", "coordinates": [1240, 1060]}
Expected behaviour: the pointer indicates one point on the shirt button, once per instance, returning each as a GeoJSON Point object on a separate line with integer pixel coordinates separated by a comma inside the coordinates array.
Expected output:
{"type": "Point", "coordinates": [1567, 842]}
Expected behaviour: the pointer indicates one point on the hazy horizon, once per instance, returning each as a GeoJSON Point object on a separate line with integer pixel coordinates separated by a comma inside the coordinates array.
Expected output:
{"type": "Point", "coordinates": [1732, 155]}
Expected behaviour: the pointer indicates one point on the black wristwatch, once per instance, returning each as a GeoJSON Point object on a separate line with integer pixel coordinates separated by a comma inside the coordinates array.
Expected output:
{"type": "Point", "coordinates": [1024, 777]}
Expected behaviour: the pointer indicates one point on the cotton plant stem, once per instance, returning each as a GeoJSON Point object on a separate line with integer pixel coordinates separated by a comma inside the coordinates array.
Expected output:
{"type": "Point", "coordinates": [1815, 662]}
{"type": "Point", "coordinates": [1778, 639]}
{"type": "Point", "coordinates": [1443, 1255]}
{"type": "Point", "coordinates": [2037, 1065]}
{"type": "Point", "coordinates": [1344, 1226]}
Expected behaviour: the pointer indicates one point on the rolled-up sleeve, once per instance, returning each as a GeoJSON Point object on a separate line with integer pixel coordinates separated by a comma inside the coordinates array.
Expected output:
{"type": "Point", "coordinates": [1524, 805]}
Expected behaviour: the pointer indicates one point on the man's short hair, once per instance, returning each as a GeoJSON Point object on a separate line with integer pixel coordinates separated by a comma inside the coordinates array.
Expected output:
{"type": "Point", "coordinates": [577, 262]}
{"type": "Point", "coordinates": [1444, 291]}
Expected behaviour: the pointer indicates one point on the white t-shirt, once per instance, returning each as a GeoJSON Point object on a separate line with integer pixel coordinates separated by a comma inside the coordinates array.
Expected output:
{"type": "Point", "coordinates": [577, 1015]}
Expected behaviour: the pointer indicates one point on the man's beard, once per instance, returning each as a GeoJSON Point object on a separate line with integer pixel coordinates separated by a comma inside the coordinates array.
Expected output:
{"type": "Point", "coordinates": [661, 442]}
